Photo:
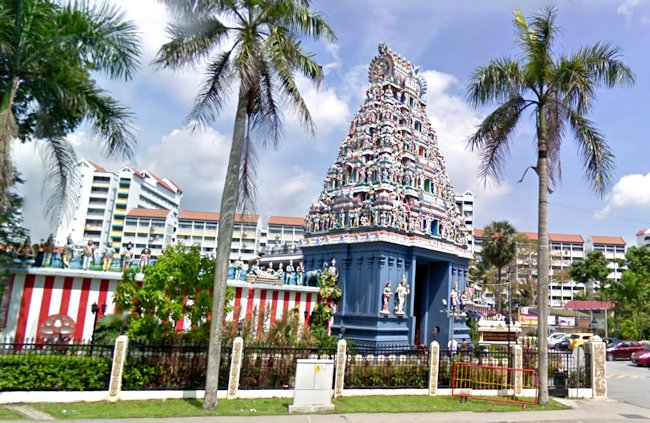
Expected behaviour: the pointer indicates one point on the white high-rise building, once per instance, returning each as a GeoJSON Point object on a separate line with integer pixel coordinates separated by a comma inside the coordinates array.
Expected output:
{"type": "Point", "coordinates": [149, 228]}
{"type": "Point", "coordinates": [643, 238]}
{"type": "Point", "coordinates": [94, 210]}
{"type": "Point", "coordinates": [465, 203]}
{"type": "Point", "coordinates": [142, 189]}
{"type": "Point", "coordinates": [613, 247]}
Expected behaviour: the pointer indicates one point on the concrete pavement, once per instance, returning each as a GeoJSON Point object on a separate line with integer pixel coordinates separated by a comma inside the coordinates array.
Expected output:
{"type": "Point", "coordinates": [628, 383]}
{"type": "Point", "coordinates": [591, 411]}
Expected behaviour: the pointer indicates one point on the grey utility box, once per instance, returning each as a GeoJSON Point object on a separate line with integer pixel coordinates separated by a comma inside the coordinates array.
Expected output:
{"type": "Point", "coordinates": [313, 388]}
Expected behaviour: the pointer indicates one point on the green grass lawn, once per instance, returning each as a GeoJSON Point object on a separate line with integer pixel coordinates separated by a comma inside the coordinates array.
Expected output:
{"type": "Point", "coordinates": [276, 406]}
{"type": "Point", "coordinates": [8, 414]}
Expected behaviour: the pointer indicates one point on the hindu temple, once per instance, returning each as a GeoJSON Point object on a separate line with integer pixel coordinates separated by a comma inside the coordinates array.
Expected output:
{"type": "Point", "coordinates": [388, 218]}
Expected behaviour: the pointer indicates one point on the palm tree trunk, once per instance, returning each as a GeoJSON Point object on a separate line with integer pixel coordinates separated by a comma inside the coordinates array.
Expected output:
{"type": "Point", "coordinates": [7, 133]}
{"type": "Point", "coordinates": [499, 292]}
{"type": "Point", "coordinates": [229, 200]}
{"type": "Point", "coordinates": [542, 261]}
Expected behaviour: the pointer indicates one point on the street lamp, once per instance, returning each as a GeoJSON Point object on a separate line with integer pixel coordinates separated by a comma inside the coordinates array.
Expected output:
{"type": "Point", "coordinates": [342, 332]}
{"type": "Point", "coordinates": [94, 309]}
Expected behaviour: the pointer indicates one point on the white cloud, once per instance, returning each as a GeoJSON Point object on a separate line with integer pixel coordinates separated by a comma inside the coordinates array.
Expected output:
{"type": "Point", "coordinates": [627, 7]}
{"type": "Point", "coordinates": [630, 191]}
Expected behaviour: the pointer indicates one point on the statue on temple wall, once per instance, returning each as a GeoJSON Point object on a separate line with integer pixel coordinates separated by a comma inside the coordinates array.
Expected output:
{"type": "Point", "coordinates": [145, 256]}
{"type": "Point", "coordinates": [239, 265]}
{"type": "Point", "coordinates": [386, 299]}
{"type": "Point", "coordinates": [300, 269]}
{"type": "Point", "coordinates": [288, 278]}
{"type": "Point", "coordinates": [269, 270]}
{"type": "Point", "coordinates": [87, 255]}
{"type": "Point", "coordinates": [280, 272]}
{"type": "Point", "coordinates": [68, 252]}
{"type": "Point", "coordinates": [127, 257]}
{"type": "Point", "coordinates": [401, 292]}
{"type": "Point", "coordinates": [453, 299]}
{"type": "Point", "coordinates": [332, 268]}
{"type": "Point", "coordinates": [107, 256]}
{"type": "Point", "coordinates": [49, 250]}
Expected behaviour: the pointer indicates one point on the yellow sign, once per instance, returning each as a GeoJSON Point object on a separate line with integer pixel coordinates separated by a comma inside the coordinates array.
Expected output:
{"type": "Point", "coordinates": [317, 370]}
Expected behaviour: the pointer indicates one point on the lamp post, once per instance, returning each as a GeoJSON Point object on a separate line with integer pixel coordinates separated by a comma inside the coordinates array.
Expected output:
{"type": "Point", "coordinates": [342, 332]}
{"type": "Point", "coordinates": [94, 309]}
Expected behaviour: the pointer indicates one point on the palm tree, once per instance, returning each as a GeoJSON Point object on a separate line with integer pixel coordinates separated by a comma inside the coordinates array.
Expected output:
{"type": "Point", "coordinates": [48, 50]}
{"type": "Point", "coordinates": [558, 90]}
{"type": "Point", "coordinates": [499, 249]}
{"type": "Point", "coordinates": [253, 45]}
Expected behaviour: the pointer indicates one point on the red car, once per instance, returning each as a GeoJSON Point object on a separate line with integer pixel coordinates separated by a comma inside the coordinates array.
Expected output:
{"type": "Point", "coordinates": [641, 358]}
{"type": "Point", "coordinates": [623, 350]}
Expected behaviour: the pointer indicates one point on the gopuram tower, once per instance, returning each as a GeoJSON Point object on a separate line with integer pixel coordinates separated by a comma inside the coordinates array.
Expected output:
{"type": "Point", "coordinates": [388, 216]}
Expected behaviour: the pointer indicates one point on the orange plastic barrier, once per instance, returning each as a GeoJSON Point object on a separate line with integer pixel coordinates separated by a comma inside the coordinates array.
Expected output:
{"type": "Point", "coordinates": [494, 383]}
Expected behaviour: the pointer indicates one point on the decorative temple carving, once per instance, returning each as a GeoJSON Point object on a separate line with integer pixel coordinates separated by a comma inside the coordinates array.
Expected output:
{"type": "Point", "coordinates": [389, 173]}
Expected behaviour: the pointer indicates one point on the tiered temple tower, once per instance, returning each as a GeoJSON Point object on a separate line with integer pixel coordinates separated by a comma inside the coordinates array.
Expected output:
{"type": "Point", "coordinates": [387, 213]}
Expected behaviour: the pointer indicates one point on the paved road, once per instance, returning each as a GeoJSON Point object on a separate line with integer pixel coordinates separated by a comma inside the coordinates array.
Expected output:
{"type": "Point", "coordinates": [628, 383]}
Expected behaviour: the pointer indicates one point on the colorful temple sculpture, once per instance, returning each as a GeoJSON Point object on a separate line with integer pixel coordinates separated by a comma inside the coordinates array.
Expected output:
{"type": "Point", "coordinates": [388, 216]}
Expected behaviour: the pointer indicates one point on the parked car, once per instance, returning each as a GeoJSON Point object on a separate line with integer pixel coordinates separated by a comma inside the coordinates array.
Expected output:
{"type": "Point", "coordinates": [610, 341]}
{"type": "Point", "coordinates": [641, 358]}
{"type": "Point", "coordinates": [555, 342]}
{"type": "Point", "coordinates": [623, 350]}
{"type": "Point", "coordinates": [563, 345]}
{"type": "Point", "coordinates": [578, 339]}
{"type": "Point", "coordinates": [556, 335]}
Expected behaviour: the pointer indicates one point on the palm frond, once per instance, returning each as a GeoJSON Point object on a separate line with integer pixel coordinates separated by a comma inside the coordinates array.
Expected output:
{"type": "Point", "coordinates": [571, 77]}
{"type": "Point", "coordinates": [248, 176]}
{"type": "Point", "coordinates": [100, 35]}
{"type": "Point", "coordinates": [62, 181]}
{"type": "Point", "coordinates": [191, 41]}
{"type": "Point", "coordinates": [493, 135]}
{"type": "Point", "coordinates": [112, 123]}
{"type": "Point", "coordinates": [496, 82]}
{"type": "Point", "coordinates": [603, 64]}
{"type": "Point", "coordinates": [265, 114]}
{"type": "Point", "coordinates": [535, 38]}
{"type": "Point", "coordinates": [218, 81]}
{"type": "Point", "coordinates": [555, 122]}
{"type": "Point", "coordinates": [596, 155]}
{"type": "Point", "coordinates": [297, 18]}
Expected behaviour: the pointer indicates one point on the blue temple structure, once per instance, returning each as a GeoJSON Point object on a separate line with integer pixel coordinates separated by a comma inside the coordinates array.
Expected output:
{"type": "Point", "coordinates": [388, 217]}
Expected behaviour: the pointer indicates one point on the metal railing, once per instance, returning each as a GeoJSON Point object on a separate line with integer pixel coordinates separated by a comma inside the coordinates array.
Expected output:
{"type": "Point", "coordinates": [391, 366]}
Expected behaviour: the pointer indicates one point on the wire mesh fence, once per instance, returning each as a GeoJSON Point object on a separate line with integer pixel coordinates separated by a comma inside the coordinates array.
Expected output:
{"type": "Point", "coordinates": [566, 369]}
{"type": "Point", "coordinates": [391, 366]}
{"type": "Point", "coordinates": [270, 367]}
{"type": "Point", "coordinates": [169, 367]}
{"type": "Point", "coordinates": [36, 365]}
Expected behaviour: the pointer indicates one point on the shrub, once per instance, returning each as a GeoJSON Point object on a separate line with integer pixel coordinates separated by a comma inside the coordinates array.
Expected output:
{"type": "Point", "coordinates": [53, 373]}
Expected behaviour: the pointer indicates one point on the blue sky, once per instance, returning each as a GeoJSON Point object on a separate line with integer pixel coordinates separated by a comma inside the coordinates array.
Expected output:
{"type": "Point", "coordinates": [447, 40]}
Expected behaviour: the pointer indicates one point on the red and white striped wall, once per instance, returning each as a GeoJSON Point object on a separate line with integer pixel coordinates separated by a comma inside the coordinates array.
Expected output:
{"type": "Point", "coordinates": [36, 294]}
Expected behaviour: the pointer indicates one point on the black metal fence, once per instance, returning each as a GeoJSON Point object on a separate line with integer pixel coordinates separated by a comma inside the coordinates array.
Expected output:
{"type": "Point", "coordinates": [35, 365]}
{"type": "Point", "coordinates": [566, 369]}
{"type": "Point", "coordinates": [392, 366]}
{"type": "Point", "coordinates": [269, 367]}
{"type": "Point", "coordinates": [484, 357]}
{"type": "Point", "coordinates": [162, 367]}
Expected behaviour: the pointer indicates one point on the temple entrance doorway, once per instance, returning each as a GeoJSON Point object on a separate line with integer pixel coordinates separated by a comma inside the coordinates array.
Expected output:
{"type": "Point", "coordinates": [419, 303]}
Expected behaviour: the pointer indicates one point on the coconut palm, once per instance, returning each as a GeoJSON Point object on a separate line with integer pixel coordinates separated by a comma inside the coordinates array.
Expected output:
{"type": "Point", "coordinates": [255, 47]}
{"type": "Point", "coordinates": [559, 91]}
{"type": "Point", "coordinates": [499, 249]}
{"type": "Point", "coordinates": [48, 50]}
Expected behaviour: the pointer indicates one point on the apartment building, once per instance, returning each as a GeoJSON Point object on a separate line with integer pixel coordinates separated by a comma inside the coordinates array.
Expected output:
{"type": "Point", "coordinates": [565, 249]}
{"type": "Point", "coordinates": [195, 227]}
{"type": "Point", "coordinates": [613, 248]}
{"type": "Point", "coordinates": [465, 203]}
{"type": "Point", "coordinates": [148, 228]}
{"type": "Point", "coordinates": [643, 237]}
{"type": "Point", "coordinates": [142, 189]}
{"type": "Point", "coordinates": [93, 212]}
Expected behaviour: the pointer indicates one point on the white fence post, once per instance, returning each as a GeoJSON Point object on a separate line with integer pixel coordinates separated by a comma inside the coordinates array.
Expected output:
{"type": "Point", "coordinates": [119, 358]}
{"type": "Point", "coordinates": [235, 367]}
{"type": "Point", "coordinates": [434, 364]}
{"type": "Point", "coordinates": [341, 360]}
{"type": "Point", "coordinates": [518, 364]}
{"type": "Point", "coordinates": [598, 370]}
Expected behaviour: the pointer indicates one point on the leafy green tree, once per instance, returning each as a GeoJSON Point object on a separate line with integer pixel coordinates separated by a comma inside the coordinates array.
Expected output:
{"type": "Point", "coordinates": [590, 271]}
{"type": "Point", "coordinates": [48, 52]}
{"type": "Point", "coordinates": [12, 234]}
{"type": "Point", "coordinates": [176, 288]}
{"type": "Point", "coordinates": [499, 249]}
{"type": "Point", "coordinates": [631, 296]}
{"type": "Point", "coordinates": [254, 46]}
{"type": "Point", "coordinates": [558, 90]}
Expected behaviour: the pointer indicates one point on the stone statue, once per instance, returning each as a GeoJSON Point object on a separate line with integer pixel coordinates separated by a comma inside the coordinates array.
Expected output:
{"type": "Point", "coordinates": [145, 255]}
{"type": "Point", "coordinates": [288, 278]}
{"type": "Point", "coordinates": [68, 252]}
{"type": "Point", "coordinates": [280, 272]}
{"type": "Point", "coordinates": [387, 293]}
{"type": "Point", "coordinates": [239, 265]}
{"type": "Point", "coordinates": [88, 255]}
{"type": "Point", "coordinates": [269, 270]}
{"type": "Point", "coordinates": [49, 249]}
{"type": "Point", "coordinates": [107, 257]}
{"type": "Point", "coordinates": [453, 299]}
{"type": "Point", "coordinates": [400, 296]}
{"type": "Point", "coordinates": [299, 270]}
{"type": "Point", "coordinates": [332, 268]}
{"type": "Point", "coordinates": [26, 252]}
{"type": "Point", "coordinates": [127, 257]}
